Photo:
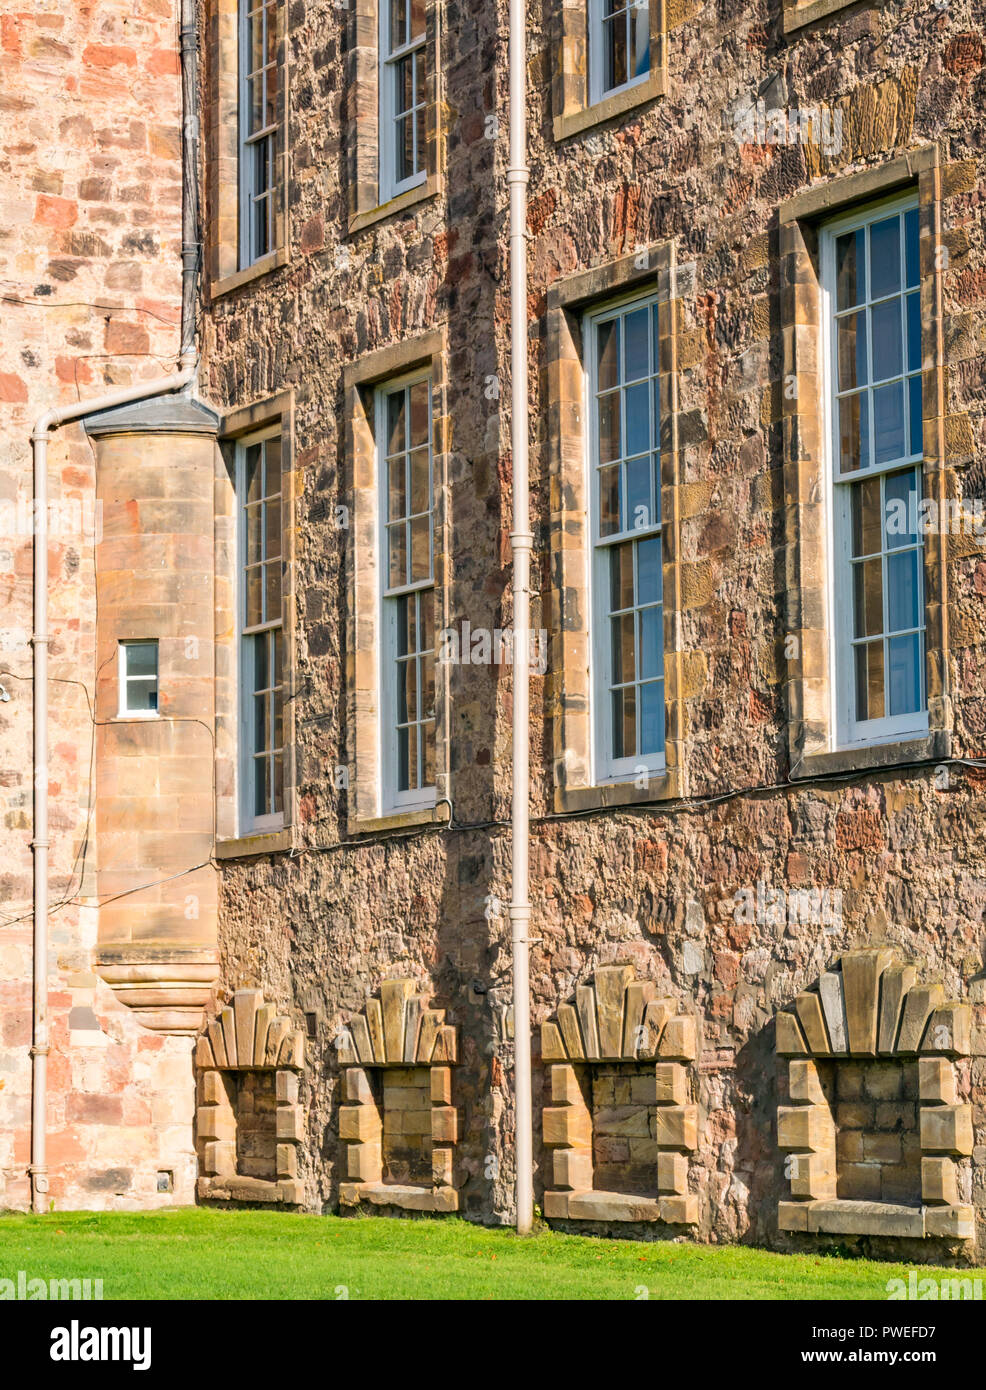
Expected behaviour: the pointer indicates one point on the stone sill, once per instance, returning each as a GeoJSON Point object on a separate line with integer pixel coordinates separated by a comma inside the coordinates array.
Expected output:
{"type": "Point", "coordinates": [835, 1217]}
{"type": "Point", "coordinates": [620, 1206]}
{"type": "Point", "coordinates": [405, 200]}
{"type": "Point", "coordinates": [235, 1188]}
{"type": "Point", "coordinates": [574, 122]}
{"type": "Point", "coordinates": [264, 842]}
{"type": "Point", "coordinates": [796, 16]}
{"type": "Point", "coordinates": [229, 283]}
{"type": "Point", "coordinates": [934, 747]}
{"type": "Point", "coordinates": [383, 1194]}
{"type": "Point", "coordinates": [399, 820]}
{"type": "Point", "coordinates": [664, 786]}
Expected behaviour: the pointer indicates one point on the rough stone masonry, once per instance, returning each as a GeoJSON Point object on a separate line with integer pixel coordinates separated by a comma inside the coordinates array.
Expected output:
{"type": "Point", "coordinates": [664, 884]}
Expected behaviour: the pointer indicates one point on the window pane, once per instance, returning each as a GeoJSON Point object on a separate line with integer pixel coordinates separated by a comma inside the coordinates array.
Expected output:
{"type": "Point", "coordinates": [420, 394]}
{"type": "Point", "coordinates": [903, 591]}
{"type": "Point", "coordinates": [254, 602]}
{"type": "Point", "coordinates": [420, 481]}
{"type": "Point", "coordinates": [869, 681]}
{"type": "Point", "coordinates": [609, 427]}
{"type": "Point", "coordinates": [651, 643]}
{"type": "Point", "coordinates": [405, 148]}
{"type": "Point", "coordinates": [428, 740]}
{"type": "Point", "coordinates": [624, 723]}
{"type": "Point", "coordinates": [272, 592]}
{"type": "Point", "coordinates": [413, 777]}
{"type": "Point", "coordinates": [624, 648]}
{"type": "Point", "coordinates": [428, 687]}
{"type": "Point", "coordinates": [254, 472]}
{"type": "Point", "coordinates": [854, 433]}
{"type": "Point", "coordinates": [888, 346]}
{"type": "Point", "coordinates": [259, 773]}
{"type": "Point", "coordinates": [637, 418]}
{"type": "Point", "coordinates": [277, 781]}
{"type": "Point", "coordinates": [901, 506]}
{"type": "Point", "coordinates": [409, 692]}
{"type": "Point", "coordinates": [905, 674]}
{"type": "Point", "coordinates": [260, 662]}
{"type": "Point", "coordinates": [652, 717]}
{"type": "Point", "coordinates": [420, 549]}
{"type": "Point", "coordinates": [398, 23]}
{"type": "Point", "coordinates": [403, 760]}
{"type": "Point", "coordinates": [397, 536]}
{"type": "Point", "coordinates": [615, 49]}
{"type": "Point", "coordinates": [868, 582]}
{"type": "Point", "coordinates": [417, 18]}
{"type": "Point", "coordinates": [141, 658]}
{"type": "Point", "coordinates": [850, 269]}
{"type": "Point", "coordinates": [406, 625]}
{"type": "Point", "coordinates": [259, 723]}
{"type": "Point", "coordinates": [426, 621]}
{"type": "Point", "coordinates": [397, 488]}
{"type": "Point", "coordinates": [912, 246]}
{"type": "Point", "coordinates": [649, 577]}
{"type": "Point", "coordinates": [636, 328]}
{"type": "Point", "coordinates": [608, 355]}
{"type": "Point", "coordinates": [638, 493]}
{"type": "Point", "coordinates": [609, 500]}
{"type": "Point", "coordinates": [885, 257]}
{"type": "Point", "coordinates": [913, 332]}
{"type": "Point", "coordinates": [867, 518]}
{"type": "Point", "coordinates": [396, 440]}
{"type": "Point", "coordinates": [915, 412]}
{"type": "Point", "coordinates": [852, 351]}
{"type": "Point", "coordinates": [621, 576]}
{"type": "Point", "coordinates": [888, 422]}
{"type": "Point", "coordinates": [640, 32]}
{"type": "Point", "coordinates": [272, 525]}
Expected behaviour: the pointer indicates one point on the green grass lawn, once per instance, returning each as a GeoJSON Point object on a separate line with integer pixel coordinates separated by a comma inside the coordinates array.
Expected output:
{"type": "Point", "coordinates": [192, 1253]}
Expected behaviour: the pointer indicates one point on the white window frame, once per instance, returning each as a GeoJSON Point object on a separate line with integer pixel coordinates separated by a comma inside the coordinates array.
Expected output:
{"type": "Point", "coordinates": [598, 91]}
{"type": "Point", "coordinates": [849, 732]}
{"type": "Point", "coordinates": [393, 800]}
{"type": "Point", "coordinates": [248, 822]}
{"type": "Point", "coordinates": [390, 185]}
{"type": "Point", "coordinates": [125, 680]}
{"type": "Point", "coordinates": [248, 191]}
{"type": "Point", "coordinates": [607, 768]}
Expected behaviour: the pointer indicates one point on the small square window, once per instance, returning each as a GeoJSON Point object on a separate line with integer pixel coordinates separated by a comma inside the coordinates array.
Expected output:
{"type": "Point", "coordinates": [138, 679]}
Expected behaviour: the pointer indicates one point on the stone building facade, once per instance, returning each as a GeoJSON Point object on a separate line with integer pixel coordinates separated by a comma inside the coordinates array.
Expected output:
{"type": "Point", "coordinates": [757, 969]}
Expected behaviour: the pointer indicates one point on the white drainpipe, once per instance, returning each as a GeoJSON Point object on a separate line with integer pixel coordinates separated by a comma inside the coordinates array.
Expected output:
{"type": "Point", "coordinates": [39, 1050]}
{"type": "Point", "coordinates": [521, 541]}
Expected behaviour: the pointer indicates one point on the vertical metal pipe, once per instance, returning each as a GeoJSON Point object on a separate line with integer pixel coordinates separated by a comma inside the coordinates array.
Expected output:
{"type": "Point", "coordinates": [191, 246]}
{"type": "Point", "coordinates": [40, 842]}
{"type": "Point", "coordinates": [521, 541]}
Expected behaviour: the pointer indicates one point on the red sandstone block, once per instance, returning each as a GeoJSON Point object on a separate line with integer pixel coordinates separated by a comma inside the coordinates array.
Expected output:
{"type": "Point", "coordinates": [105, 55]}
{"type": "Point", "coordinates": [50, 211]}
{"type": "Point", "coordinates": [12, 388]}
{"type": "Point", "coordinates": [162, 62]}
{"type": "Point", "coordinates": [124, 337]}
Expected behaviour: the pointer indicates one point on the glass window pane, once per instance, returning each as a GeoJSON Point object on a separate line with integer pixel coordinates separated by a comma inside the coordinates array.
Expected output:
{"type": "Point", "coordinates": [420, 481]}
{"type": "Point", "coordinates": [640, 33]}
{"type": "Point", "coordinates": [260, 662]}
{"type": "Point", "coordinates": [608, 355]}
{"type": "Point", "coordinates": [912, 247]}
{"type": "Point", "coordinates": [428, 688]}
{"type": "Point", "coordinates": [854, 433]}
{"type": "Point", "coordinates": [900, 506]}
{"type": "Point", "coordinates": [649, 577]}
{"type": "Point", "coordinates": [869, 681]}
{"type": "Point", "coordinates": [624, 723]}
{"type": "Point", "coordinates": [609, 427]}
{"type": "Point", "coordinates": [621, 577]}
{"type": "Point", "coordinates": [398, 23]}
{"type": "Point", "coordinates": [428, 741]}
{"type": "Point", "coordinates": [651, 643]}
{"type": "Point", "coordinates": [277, 781]}
{"type": "Point", "coordinates": [420, 394]}
{"type": "Point", "coordinates": [850, 269]}
{"type": "Point", "coordinates": [254, 472]}
{"type": "Point", "coordinates": [651, 698]}
{"type": "Point", "coordinates": [397, 488]}
{"type": "Point", "coordinates": [868, 585]}
{"type": "Point", "coordinates": [260, 716]}
{"type": "Point", "coordinates": [888, 422]}
{"type": "Point", "coordinates": [916, 422]}
{"type": "Point", "coordinates": [867, 521]}
{"type": "Point", "coordinates": [637, 400]}
{"type": "Point", "coordinates": [639, 493]}
{"type": "Point", "coordinates": [615, 48]}
{"type": "Point", "coordinates": [272, 592]}
{"type": "Point", "coordinates": [409, 691]}
{"type": "Point", "coordinates": [272, 466]}
{"type": "Point", "coordinates": [904, 655]}
{"type": "Point", "coordinates": [259, 770]}
{"type": "Point", "coordinates": [396, 438]}
{"type": "Point", "coordinates": [609, 500]}
{"type": "Point", "coordinates": [403, 760]}
{"type": "Point", "coordinates": [141, 658]}
{"type": "Point", "coordinates": [419, 134]}
{"type": "Point", "coordinates": [885, 257]}
{"type": "Point", "coordinates": [913, 332]}
{"type": "Point", "coordinates": [851, 332]}
{"type": "Point", "coordinates": [888, 346]}
{"type": "Point", "coordinates": [406, 625]}
{"type": "Point", "coordinates": [420, 548]}
{"type": "Point", "coordinates": [413, 769]}
{"type": "Point", "coordinates": [426, 621]}
{"type": "Point", "coordinates": [272, 528]}
{"type": "Point", "coordinates": [417, 19]}
{"type": "Point", "coordinates": [254, 601]}
{"type": "Point", "coordinates": [903, 591]}
{"type": "Point", "coordinates": [397, 537]}
{"type": "Point", "coordinates": [624, 648]}
{"type": "Point", "coordinates": [636, 328]}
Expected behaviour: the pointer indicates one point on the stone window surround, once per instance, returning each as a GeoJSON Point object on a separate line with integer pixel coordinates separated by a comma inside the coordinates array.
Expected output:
{"type": "Point", "coordinates": [360, 382]}
{"type": "Point", "coordinates": [248, 1034]}
{"type": "Point", "coordinates": [617, 1018]}
{"type": "Point", "coordinates": [568, 689]}
{"type": "Point", "coordinates": [223, 272]}
{"type": "Point", "coordinates": [396, 1029]}
{"type": "Point", "coordinates": [571, 111]}
{"type": "Point", "coordinates": [230, 843]}
{"type": "Point", "coordinates": [363, 118]}
{"type": "Point", "coordinates": [799, 13]}
{"type": "Point", "coordinates": [809, 695]}
{"type": "Point", "coordinates": [871, 1008]}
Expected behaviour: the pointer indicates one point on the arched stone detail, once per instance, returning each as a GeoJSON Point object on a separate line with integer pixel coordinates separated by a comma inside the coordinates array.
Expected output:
{"type": "Point", "coordinates": [618, 1056]}
{"type": "Point", "coordinates": [868, 1012]}
{"type": "Point", "coordinates": [397, 1056]}
{"type": "Point", "coordinates": [248, 1061]}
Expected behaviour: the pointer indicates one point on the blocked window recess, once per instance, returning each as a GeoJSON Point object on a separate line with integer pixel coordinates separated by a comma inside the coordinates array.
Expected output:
{"type": "Point", "coordinates": [249, 1122]}
{"type": "Point", "coordinates": [620, 1122]}
{"type": "Point", "coordinates": [875, 1124]}
{"type": "Point", "coordinates": [398, 1125]}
